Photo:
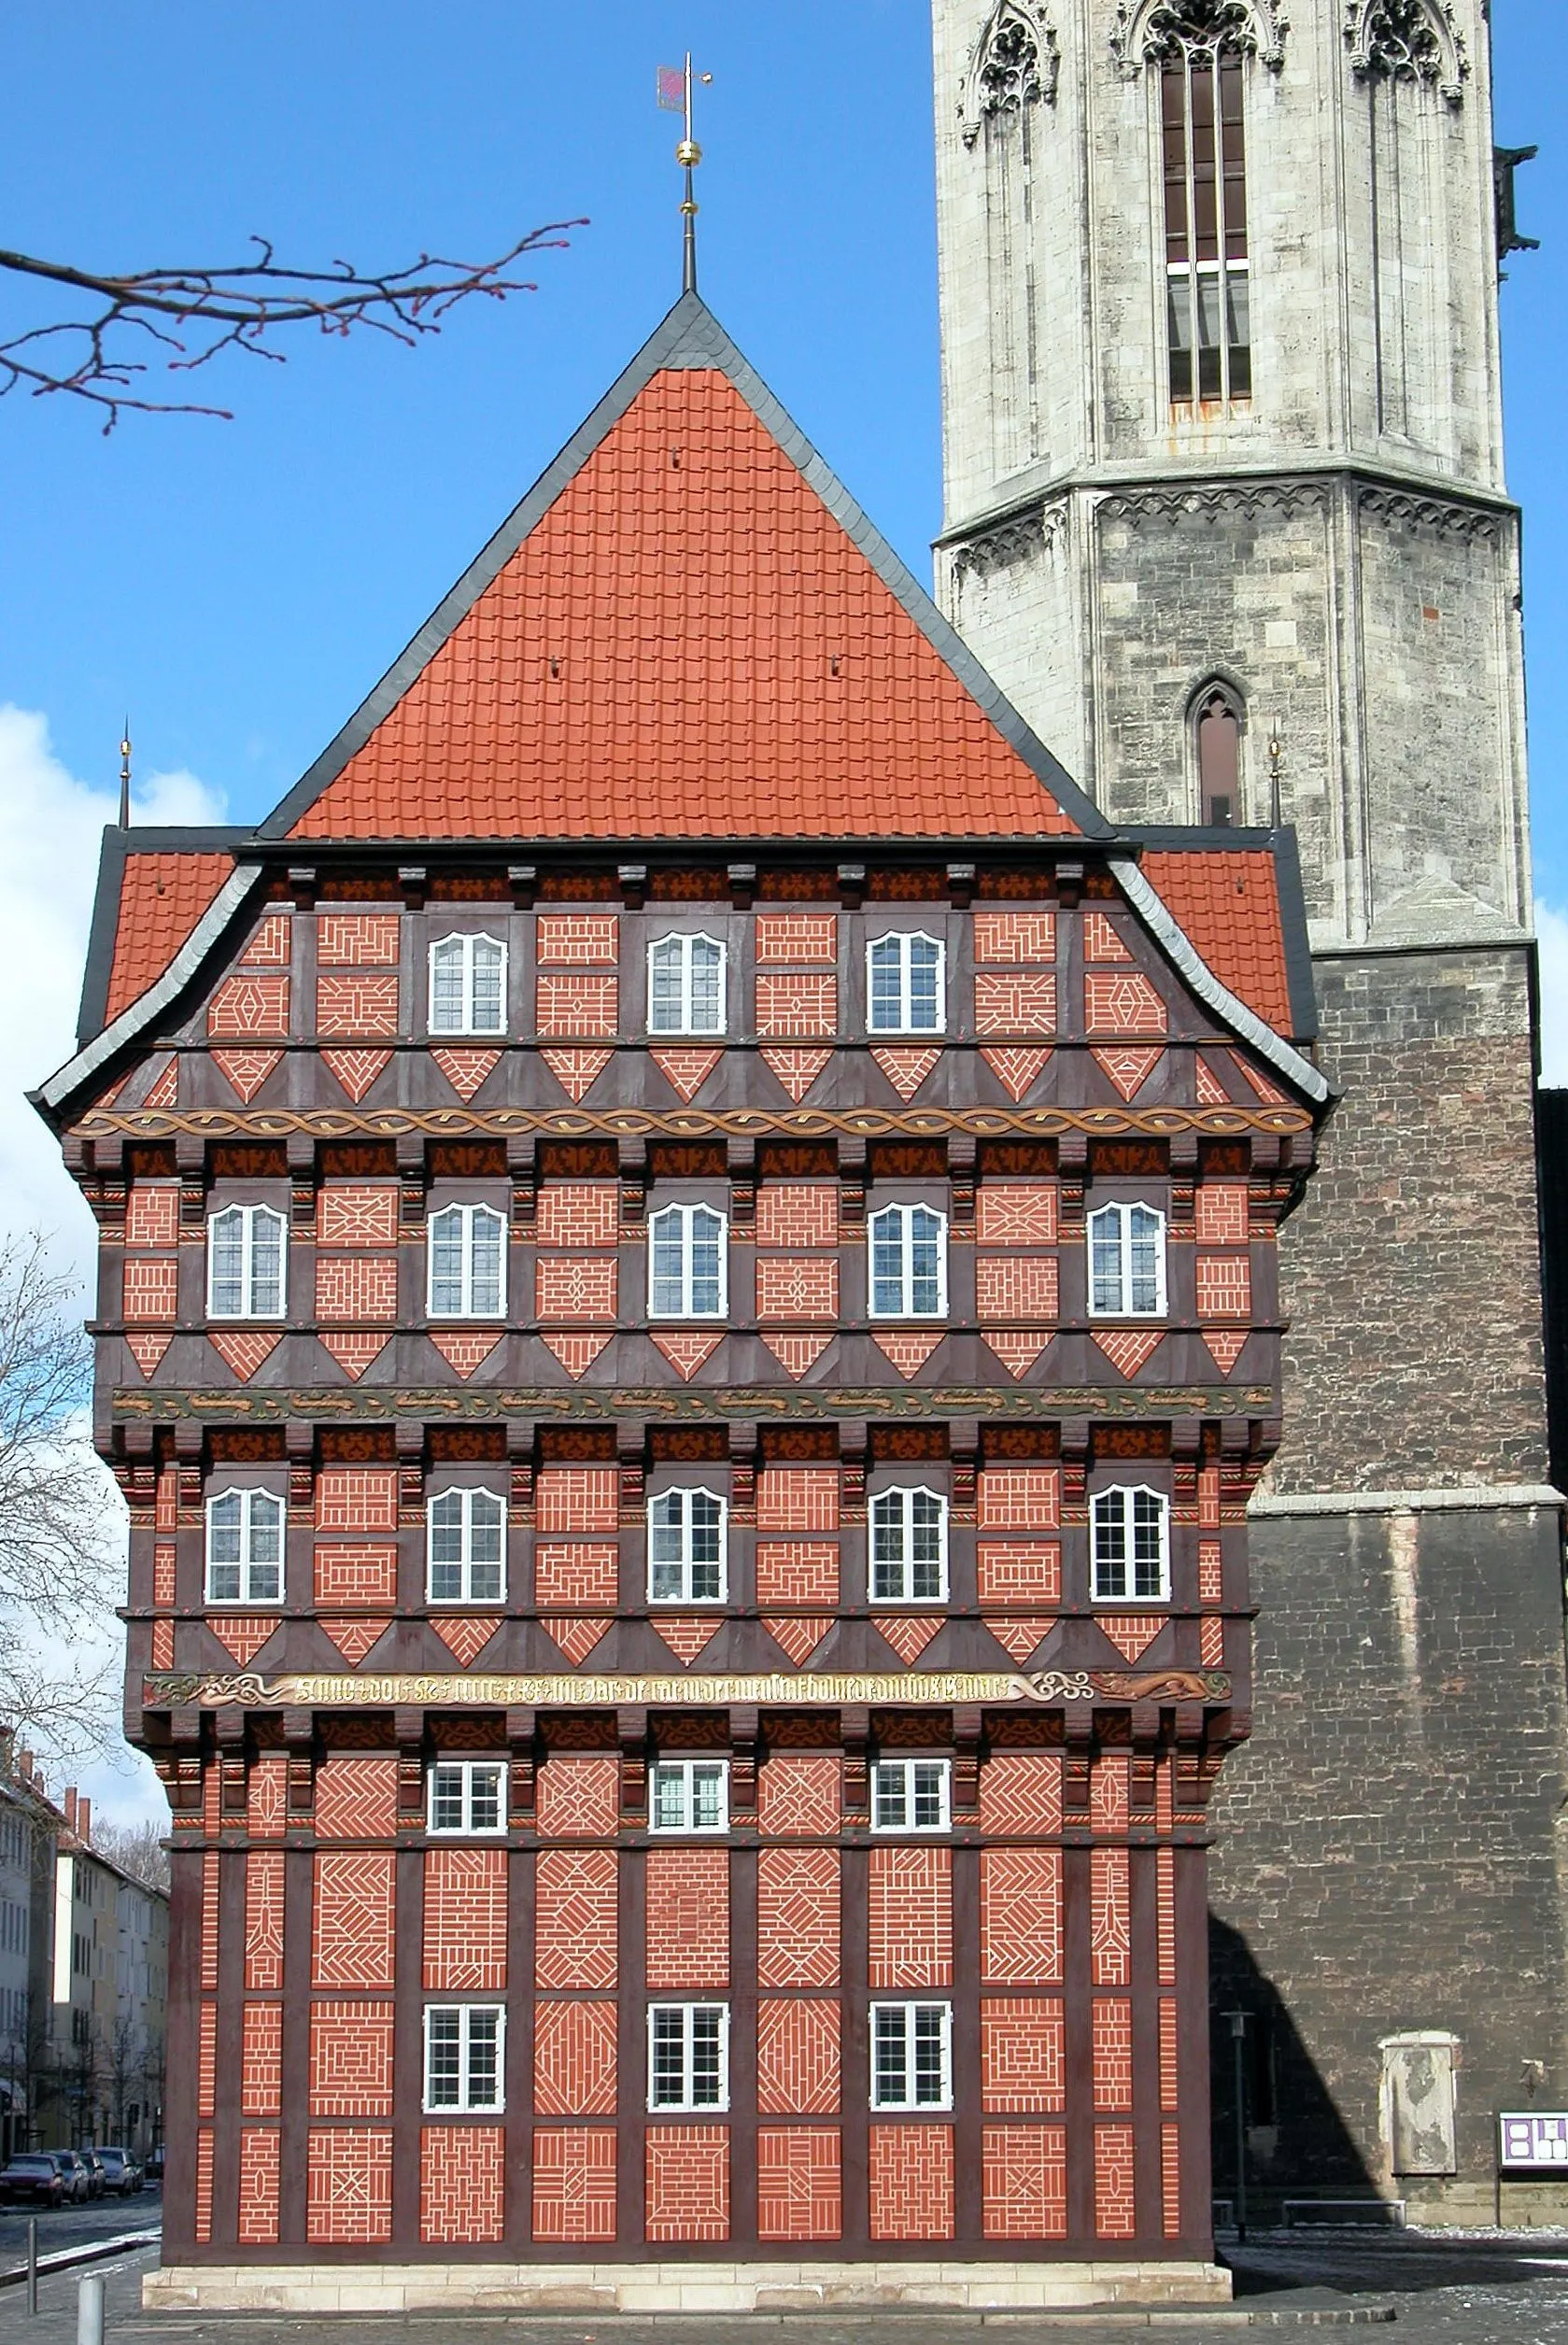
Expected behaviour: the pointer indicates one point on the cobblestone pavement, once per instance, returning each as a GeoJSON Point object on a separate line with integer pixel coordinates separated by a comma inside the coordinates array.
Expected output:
{"type": "Point", "coordinates": [1477, 2290]}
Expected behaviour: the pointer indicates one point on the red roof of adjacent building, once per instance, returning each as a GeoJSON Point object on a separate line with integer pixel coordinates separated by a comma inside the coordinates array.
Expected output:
{"type": "Point", "coordinates": [1228, 902]}
{"type": "Point", "coordinates": [161, 897]}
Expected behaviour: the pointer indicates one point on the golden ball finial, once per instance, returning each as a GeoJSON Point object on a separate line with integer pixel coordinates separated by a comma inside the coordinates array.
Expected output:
{"type": "Point", "coordinates": [688, 152]}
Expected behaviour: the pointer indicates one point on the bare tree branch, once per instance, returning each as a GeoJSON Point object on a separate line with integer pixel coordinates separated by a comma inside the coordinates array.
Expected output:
{"type": "Point", "coordinates": [234, 306]}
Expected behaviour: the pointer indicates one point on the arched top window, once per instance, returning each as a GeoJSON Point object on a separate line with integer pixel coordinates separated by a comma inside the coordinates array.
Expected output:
{"type": "Point", "coordinates": [1217, 725]}
{"type": "Point", "coordinates": [685, 985]}
{"type": "Point", "coordinates": [1014, 66]}
{"type": "Point", "coordinates": [1126, 1262]}
{"type": "Point", "coordinates": [468, 985]}
{"type": "Point", "coordinates": [1199, 47]}
{"type": "Point", "coordinates": [1131, 1545]}
{"type": "Point", "coordinates": [686, 1263]}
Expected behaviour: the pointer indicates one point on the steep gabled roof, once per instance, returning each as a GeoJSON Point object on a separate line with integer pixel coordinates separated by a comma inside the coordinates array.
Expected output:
{"type": "Point", "coordinates": [154, 885]}
{"type": "Point", "coordinates": [687, 628]}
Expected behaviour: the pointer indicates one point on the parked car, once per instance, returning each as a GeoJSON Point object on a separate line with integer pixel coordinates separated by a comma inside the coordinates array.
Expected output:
{"type": "Point", "coordinates": [122, 2172]}
{"type": "Point", "coordinates": [33, 2178]}
{"type": "Point", "coordinates": [74, 2174]}
{"type": "Point", "coordinates": [97, 2175]}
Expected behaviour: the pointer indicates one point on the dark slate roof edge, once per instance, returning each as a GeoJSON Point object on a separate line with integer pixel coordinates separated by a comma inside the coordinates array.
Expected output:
{"type": "Point", "coordinates": [154, 838]}
{"type": "Point", "coordinates": [1298, 945]}
{"type": "Point", "coordinates": [689, 337]}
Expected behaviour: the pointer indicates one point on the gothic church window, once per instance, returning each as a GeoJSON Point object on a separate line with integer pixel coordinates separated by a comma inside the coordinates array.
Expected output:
{"type": "Point", "coordinates": [1217, 740]}
{"type": "Point", "coordinates": [1208, 290]}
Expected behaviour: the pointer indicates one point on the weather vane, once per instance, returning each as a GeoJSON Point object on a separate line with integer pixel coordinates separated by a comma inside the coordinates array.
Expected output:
{"type": "Point", "coordinates": [125, 776]}
{"type": "Point", "coordinates": [674, 97]}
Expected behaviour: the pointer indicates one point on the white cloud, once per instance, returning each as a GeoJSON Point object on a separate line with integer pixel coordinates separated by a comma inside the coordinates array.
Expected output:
{"type": "Point", "coordinates": [1551, 930]}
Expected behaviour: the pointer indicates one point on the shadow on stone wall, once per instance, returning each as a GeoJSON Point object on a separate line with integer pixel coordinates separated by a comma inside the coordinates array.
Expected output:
{"type": "Point", "coordinates": [1297, 2145]}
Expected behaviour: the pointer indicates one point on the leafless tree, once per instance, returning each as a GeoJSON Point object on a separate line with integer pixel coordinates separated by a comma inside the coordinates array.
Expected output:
{"type": "Point", "coordinates": [137, 1849]}
{"type": "Point", "coordinates": [60, 1552]}
{"type": "Point", "coordinates": [184, 317]}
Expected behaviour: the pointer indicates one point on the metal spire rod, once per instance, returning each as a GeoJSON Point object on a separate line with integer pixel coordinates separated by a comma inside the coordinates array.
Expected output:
{"type": "Point", "coordinates": [125, 776]}
{"type": "Point", "coordinates": [688, 154]}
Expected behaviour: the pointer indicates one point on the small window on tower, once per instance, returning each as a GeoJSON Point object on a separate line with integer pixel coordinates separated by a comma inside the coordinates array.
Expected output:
{"type": "Point", "coordinates": [1218, 726]}
{"type": "Point", "coordinates": [1207, 283]}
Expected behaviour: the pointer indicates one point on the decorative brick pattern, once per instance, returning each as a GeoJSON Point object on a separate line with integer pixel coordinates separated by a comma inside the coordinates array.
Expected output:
{"type": "Point", "coordinates": [578, 940]}
{"type": "Point", "coordinates": [356, 1498]}
{"type": "Point", "coordinates": [1017, 1067]}
{"type": "Point", "coordinates": [242, 1634]}
{"type": "Point", "coordinates": [1017, 1351]}
{"type": "Point", "coordinates": [1022, 2049]}
{"type": "Point", "coordinates": [798, 1917]}
{"type": "Point", "coordinates": [573, 1287]}
{"type": "Point", "coordinates": [152, 1214]}
{"type": "Point", "coordinates": [357, 1213]}
{"type": "Point", "coordinates": [243, 1354]}
{"type": "Point", "coordinates": [1021, 1917]}
{"type": "Point", "coordinates": [465, 1920]}
{"type": "Point", "coordinates": [207, 2059]}
{"type": "Point", "coordinates": [686, 1070]}
{"type": "Point", "coordinates": [1211, 1642]}
{"type": "Point", "coordinates": [1224, 1286]}
{"type": "Point", "coordinates": [245, 1071]}
{"type": "Point", "coordinates": [1169, 2064]}
{"type": "Point", "coordinates": [798, 1070]}
{"type": "Point", "coordinates": [164, 1092]}
{"type": "Point", "coordinates": [210, 1885]}
{"type": "Point", "coordinates": [258, 2197]}
{"type": "Point", "coordinates": [350, 2185]}
{"type": "Point", "coordinates": [799, 2195]}
{"type": "Point", "coordinates": [1224, 1349]}
{"type": "Point", "coordinates": [909, 1894]}
{"type": "Point", "coordinates": [574, 2059]}
{"type": "Point", "coordinates": [1211, 1576]}
{"type": "Point", "coordinates": [797, 939]}
{"type": "Point", "coordinates": [908, 1634]}
{"type": "Point", "coordinates": [1110, 1938]}
{"type": "Point", "coordinates": [1018, 1571]}
{"type": "Point", "coordinates": [147, 1352]}
{"type": "Point", "coordinates": [354, 1638]}
{"type": "Point", "coordinates": [1021, 1003]}
{"type": "Point", "coordinates": [1113, 2042]}
{"type": "Point", "coordinates": [577, 1498]}
{"type": "Point", "coordinates": [462, 2184]}
{"type": "Point", "coordinates": [910, 1352]}
{"type": "Point", "coordinates": [796, 1005]}
{"type": "Point", "coordinates": [797, 1498]}
{"type": "Point", "coordinates": [1021, 1795]}
{"type": "Point", "coordinates": [350, 2059]}
{"type": "Point", "coordinates": [575, 1353]}
{"type": "Point", "coordinates": [687, 1353]}
{"type": "Point", "coordinates": [1211, 1089]}
{"type": "Point", "coordinates": [1170, 2181]}
{"type": "Point", "coordinates": [797, 1572]}
{"type": "Point", "coordinates": [358, 1071]}
{"type": "Point", "coordinates": [797, 1795]}
{"type": "Point", "coordinates": [1020, 1634]}
{"type": "Point", "coordinates": [1101, 941]}
{"type": "Point", "coordinates": [354, 1354]}
{"type": "Point", "coordinates": [356, 1574]}
{"type": "Point", "coordinates": [355, 1005]}
{"type": "Point", "coordinates": [1016, 1213]}
{"type": "Point", "coordinates": [911, 2182]}
{"type": "Point", "coordinates": [355, 1287]}
{"type": "Point", "coordinates": [464, 1637]}
{"type": "Point", "coordinates": [686, 1633]}
{"type": "Point", "coordinates": [688, 1917]}
{"type": "Point", "coordinates": [150, 1286]}
{"type": "Point", "coordinates": [463, 1351]}
{"type": "Point", "coordinates": [577, 1005]}
{"type": "Point", "coordinates": [1127, 1071]}
{"type": "Point", "coordinates": [688, 2182]}
{"type": "Point", "coordinates": [1129, 1348]}
{"type": "Point", "coordinates": [575, 2184]}
{"type": "Point", "coordinates": [203, 2184]}
{"type": "Point", "coordinates": [798, 1287]}
{"type": "Point", "coordinates": [1024, 2190]}
{"type": "Point", "coordinates": [356, 940]}
{"type": "Point", "coordinates": [797, 1355]}
{"type": "Point", "coordinates": [357, 1798]}
{"type": "Point", "coordinates": [1131, 1632]}
{"type": "Point", "coordinates": [574, 1921]}
{"type": "Point", "coordinates": [1125, 1003]}
{"type": "Point", "coordinates": [246, 1005]}
{"type": "Point", "coordinates": [576, 1071]}
{"type": "Point", "coordinates": [575, 1572]}
{"type": "Point", "coordinates": [797, 2056]}
{"type": "Point", "coordinates": [799, 1634]}
{"type": "Point", "coordinates": [271, 946]}
{"type": "Point", "coordinates": [797, 1214]}
{"type": "Point", "coordinates": [906, 1068]}
{"type": "Point", "coordinates": [1016, 1286]}
{"type": "Point", "coordinates": [578, 1213]}
{"type": "Point", "coordinates": [1219, 1213]}
{"type": "Point", "coordinates": [353, 1935]}
{"type": "Point", "coordinates": [1114, 2210]}
{"type": "Point", "coordinates": [264, 1921]}
{"type": "Point", "coordinates": [1164, 1913]}
{"type": "Point", "coordinates": [1109, 1794]}
{"type": "Point", "coordinates": [264, 1800]}
{"type": "Point", "coordinates": [1004, 937]}
{"type": "Point", "coordinates": [467, 1071]}
{"type": "Point", "coordinates": [1020, 1498]}
{"type": "Point", "coordinates": [576, 1638]}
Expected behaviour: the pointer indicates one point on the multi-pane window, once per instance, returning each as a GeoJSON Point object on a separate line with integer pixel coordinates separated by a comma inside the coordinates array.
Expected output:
{"type": "Point", "coordinates": [1206, 290]}
{"type": "Point", "coordinates": [245, 1548]}
{"type": "Point", "coordinates": [467, 1262]}
{"type": "Point", "coordinates": [690, 1795]}
{"type": "Point", "coordinates": [463, 2056]}
{"type": "Point", "coordinates": [468, 985]}
{"type": "Point", "coordinates": [467, 1532]}
{"type": "Point", "coordinates": [911, 1795]}
{"type": "Point", "coordinates": [912, 2055]}
{"type": "Point", "coordinates": [685, 985]}
{"type": "Point", "coordinates": [688, 2055]}
{"type": "Point", "coordinates": [1126, 1261]}
{"type": "Point", "coordinates": [247, 1262]}
{"type": "Point", "coordinates": [909, 1262]}
{"type": "Point", "coordinates": [466, 1796]}
{"type": "Point", "coordinates": [904, 985]}
{"type": "Point", "coordinates": [685, 1547]}
{"type": "Point", "coordinates": [909, 1547]}
{"type": "Point", "coordinates": [1132, 1546]}
{"type": "Point", "coordinates": [686, 1263]}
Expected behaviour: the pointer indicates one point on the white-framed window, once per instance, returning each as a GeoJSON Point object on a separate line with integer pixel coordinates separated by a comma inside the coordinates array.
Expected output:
{"type": "Point", "coordinates": [686, 1547]}
{"type": "Point", "coordinates": [911, 1795]}
{"type": "Point", "coordinates": [467, 1262]}
{"type": "Point", "coordinates": [468, 985]}
{"type": "Point", "coordinates": [464, 2043]}
{"type": "Point", "coordinates": [465, 1538]}
{"type": "Point", "coordinates": [248, 1262]}
{"type": "Point", "coordinates": [1132, 1546]}
{"type": "Point", "coordinates": [912, 2055]}
{"type": "Point", "coordinates": [904, 985]}
{"type": "Point", "coordinates": [245, 1548]}
{"type": "Point", "coordinates": [907, 1246]}
{"type": "Point", "coordinates": [686, 1263]}
{"type": "Point", "coordinates": [690, 1795]}
{"type": "Point", "coordinates": [685, 985]}
{"type": "Point", "coordinates": [466, 1797]}
{"type": "Point", "coordinates": [1126, 1261]}
{"type": "Point", "coordinates": [909, 1547]}
{"type": "Point", "coordinates": [688, 2055]}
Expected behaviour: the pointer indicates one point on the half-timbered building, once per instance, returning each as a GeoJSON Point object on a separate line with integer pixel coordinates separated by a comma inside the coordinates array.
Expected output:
{"type": "Point", "coordinates": [687, 1317]}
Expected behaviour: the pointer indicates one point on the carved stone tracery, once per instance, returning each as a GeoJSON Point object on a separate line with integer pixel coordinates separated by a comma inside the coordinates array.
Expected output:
{"type": "Point", "coordinates": [1408, 41]}
{"type": "Point", "coordinates": [1015, 64]}
{"type": "Point", "coordinates": [1159, 32]}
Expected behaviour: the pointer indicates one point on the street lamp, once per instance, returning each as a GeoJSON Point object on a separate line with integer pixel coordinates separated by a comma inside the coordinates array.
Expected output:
{"type": "Point", "coordinates": [1238, 2049]}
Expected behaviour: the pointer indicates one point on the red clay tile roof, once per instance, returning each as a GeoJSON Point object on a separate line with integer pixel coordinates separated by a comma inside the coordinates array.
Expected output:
{"type": "Point", "coordinates": [688, 643]}
{"type": "Point", "coordinates": [1228, 903]}
{"type": "Point", "coordinates": [161, 897]}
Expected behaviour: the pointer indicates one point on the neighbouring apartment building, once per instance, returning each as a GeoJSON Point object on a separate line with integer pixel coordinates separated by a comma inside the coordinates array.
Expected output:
{"type": "Point", "coordinates": [688, 1315]}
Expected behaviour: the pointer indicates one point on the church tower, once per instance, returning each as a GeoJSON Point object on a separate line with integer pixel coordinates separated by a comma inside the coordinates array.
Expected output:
{"type": "Point", "coordinates": [1226, 516]}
